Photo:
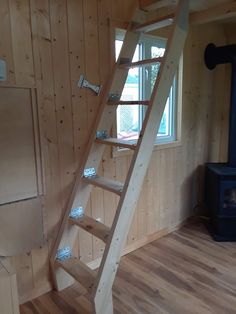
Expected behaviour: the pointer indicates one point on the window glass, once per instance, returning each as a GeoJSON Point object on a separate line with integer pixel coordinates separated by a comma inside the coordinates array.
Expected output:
{"type": "Point", "coordinates": [139, 85]}
{"type": "Point", "coordinates": [128, 117]}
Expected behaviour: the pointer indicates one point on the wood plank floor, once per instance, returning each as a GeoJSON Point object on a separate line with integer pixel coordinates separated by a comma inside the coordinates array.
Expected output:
{"type": "Point", "coordinates": [185, 272]}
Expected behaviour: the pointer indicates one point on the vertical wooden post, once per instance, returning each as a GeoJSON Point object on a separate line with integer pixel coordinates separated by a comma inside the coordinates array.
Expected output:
{"type": "Point", "coordinates": [9, 301]}
{"type": "Point", "coordinates": [107, 306]}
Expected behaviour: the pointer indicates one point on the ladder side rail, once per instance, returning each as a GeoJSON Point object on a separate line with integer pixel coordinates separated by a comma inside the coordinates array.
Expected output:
{"type": "Point", "coordinates": [141, 158]}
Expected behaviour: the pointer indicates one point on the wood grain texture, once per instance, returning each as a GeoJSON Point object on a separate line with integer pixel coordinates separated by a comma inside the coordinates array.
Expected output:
{"type": "Point", "coordinates": [18, 222]}
{"type": "Point", "coordinates": [194, 5]}
{"type": "Point", "coordinates": [92, 226]}
{"type": "Point", "coordinates": [185, 272]}
{"type": "Point", "coordinates": [8, 288]}
{"type": "Point", "coordinates": [22, 42]}
{"type": "Point", "coordinates": [73, 37]}
{"type": "Point", "coordinates": [82, 273]}
{"type": "Point", "coordinates": [17, 160]}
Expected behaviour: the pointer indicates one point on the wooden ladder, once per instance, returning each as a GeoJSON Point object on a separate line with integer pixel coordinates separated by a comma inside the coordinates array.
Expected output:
{"type": "Point", "coordinates": [65, 267]}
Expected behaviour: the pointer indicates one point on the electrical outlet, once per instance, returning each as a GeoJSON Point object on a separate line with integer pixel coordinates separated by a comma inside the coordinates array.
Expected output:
{"type": "Point", "coordinates": [3, 70]}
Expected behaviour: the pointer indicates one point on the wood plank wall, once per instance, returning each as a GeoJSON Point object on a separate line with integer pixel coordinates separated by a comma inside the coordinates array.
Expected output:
{"type": "Point", "coordinates": [48, 45]}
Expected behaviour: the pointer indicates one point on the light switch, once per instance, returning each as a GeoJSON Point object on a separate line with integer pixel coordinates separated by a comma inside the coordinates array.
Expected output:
{"type": "Point", "coordinates": [3, 70]}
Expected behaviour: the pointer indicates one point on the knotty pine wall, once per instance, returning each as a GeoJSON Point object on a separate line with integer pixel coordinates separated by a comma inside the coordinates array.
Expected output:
{"type": "Point", "coordinates": [47, 46]}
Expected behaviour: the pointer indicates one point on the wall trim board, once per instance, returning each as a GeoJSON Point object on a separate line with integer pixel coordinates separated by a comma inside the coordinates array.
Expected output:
{"type": "Point", "coordinates": [38, 143]}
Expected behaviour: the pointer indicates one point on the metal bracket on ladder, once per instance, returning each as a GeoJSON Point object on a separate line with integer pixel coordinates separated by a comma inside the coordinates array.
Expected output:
{"type": "Point", "coordinates": [124, 61]}
{"type": "Point", "coordinates": [64, 253]}
{"type": "Point", "coordinates": [114, 97]}
{"type": "Point", "coordinates": [90, 172]}
{"type": "Point", "coordinates": [101, 134]}
{"type": "Point", "coordinates": [77, 212]}
{"type": "Point", "coordinates": [85, 83]}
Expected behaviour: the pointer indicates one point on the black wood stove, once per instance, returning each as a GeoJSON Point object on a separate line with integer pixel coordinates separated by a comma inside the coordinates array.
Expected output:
{"type": "Point", "coordinates": [221, 177]}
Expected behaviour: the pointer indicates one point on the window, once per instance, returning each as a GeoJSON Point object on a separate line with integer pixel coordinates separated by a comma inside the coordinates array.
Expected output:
{"type": "Point", "coordinates": [139, 85]}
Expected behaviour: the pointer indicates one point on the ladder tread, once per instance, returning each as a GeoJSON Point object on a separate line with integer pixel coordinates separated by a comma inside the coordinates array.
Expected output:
{"type": "Point", "coordinates": [151, 5]}
{"type": "Point", "coordinates": [157, 23]}
{"type": "Point", "coordinates": [92, 226]}
{"type": "Point", "coordinates": [140, 63]}
{"type": "Point", "coordinates": [106, 184]}
{"type": "Point", "coordinates": [79, 271]}
{"type": "Point", "coordinates": [118, 143]}
{"type": "Point", "coordinates": [128, 102]}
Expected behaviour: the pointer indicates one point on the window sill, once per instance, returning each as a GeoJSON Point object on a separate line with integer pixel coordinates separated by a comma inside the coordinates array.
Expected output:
{"type": "Point", "coordinates": [157, 147]}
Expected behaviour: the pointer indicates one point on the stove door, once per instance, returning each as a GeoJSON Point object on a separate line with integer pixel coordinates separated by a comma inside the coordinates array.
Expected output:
{"type": "Point", "coordinates": [227, 205]}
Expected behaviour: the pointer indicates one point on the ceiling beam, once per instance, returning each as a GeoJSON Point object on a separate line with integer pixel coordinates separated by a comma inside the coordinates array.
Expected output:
{"type": "Point", "coordinates": [149, 5]}
{"type": "Point", "coordinates": [219, 12]}
{"type": "Point", "coordinates": [216, 13]}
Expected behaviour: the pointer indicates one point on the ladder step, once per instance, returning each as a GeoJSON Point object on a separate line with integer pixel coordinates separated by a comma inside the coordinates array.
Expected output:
{"type": "Point", "coordinates": [92, 226]}
{"type": "Point", "coordinates": [106, 184]}
{"type": "Point", "coordinates": [151, 5]}
{"type": "Point", "coordinates": [134, 102]}
{"type": "Point", "coordinates": [140, 63]}
{"type": "Point", "coordinates": [117, 143]}
{"type": "Point", "coordinates": [79, 271]}
{"type": "Point", "coordinates": [155, 24]}
{"type": "Point", "coordinates": [128, 102]}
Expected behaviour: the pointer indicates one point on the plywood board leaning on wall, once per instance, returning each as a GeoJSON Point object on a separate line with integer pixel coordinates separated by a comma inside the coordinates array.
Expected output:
{"type": "Point", "coordinates": [21, 223]}
{"type": "Point", "coordinates": [21, 227]}
{"type": "Point", "coordinates": [18, 159]}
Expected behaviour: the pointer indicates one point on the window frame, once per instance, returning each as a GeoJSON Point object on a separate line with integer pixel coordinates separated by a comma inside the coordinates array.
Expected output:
{"type": "Point", "coordinates": [174, 139]}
